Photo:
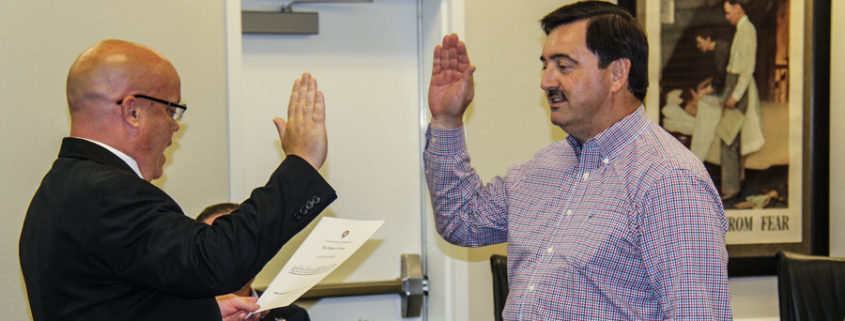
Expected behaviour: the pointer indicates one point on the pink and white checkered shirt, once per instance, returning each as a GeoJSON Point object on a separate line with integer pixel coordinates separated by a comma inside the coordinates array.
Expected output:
{"type": "Point", "coordinates": [627, 226]}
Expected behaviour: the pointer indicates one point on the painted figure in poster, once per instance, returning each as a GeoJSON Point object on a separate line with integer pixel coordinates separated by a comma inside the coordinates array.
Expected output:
{"type": "Point", "coordinates": [741, 95]}
{"type": "Point", "coordinates": [697, 46]}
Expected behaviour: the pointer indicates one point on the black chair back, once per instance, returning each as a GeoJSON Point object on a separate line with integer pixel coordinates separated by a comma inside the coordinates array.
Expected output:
{"type": "Point", "coordinates": [810, 287]}
{"type": "Point", "coordinates": [499, 266]}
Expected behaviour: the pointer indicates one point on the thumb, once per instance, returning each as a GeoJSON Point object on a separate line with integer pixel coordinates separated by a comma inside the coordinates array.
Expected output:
{"type": "Point", "coordinates": [281, 125]}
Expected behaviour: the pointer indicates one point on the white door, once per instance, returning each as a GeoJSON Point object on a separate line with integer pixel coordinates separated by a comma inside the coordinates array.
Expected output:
{"type": "Point", "coordinates": [367, 61]}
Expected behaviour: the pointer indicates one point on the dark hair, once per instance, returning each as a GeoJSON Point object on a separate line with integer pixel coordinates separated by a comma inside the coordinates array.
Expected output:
{"type": "Point", "coordinates": [216, 210]}
{"type": "Point", "coordinates": [742, 3]}
{"type": "Point", "coordinates": [612, 33]}
{"type": "Point", "coordinates": [708, 32]}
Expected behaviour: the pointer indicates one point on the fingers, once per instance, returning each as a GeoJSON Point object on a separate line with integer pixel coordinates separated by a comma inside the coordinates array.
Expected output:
{"type": "Point", "coordinates": [451, 55]}
{"type": "Point", "coordinates": [319, 106]}
{"type": "Point", "coordinates": [310, 94]}
{"type": "Point", "coordinates": [234, 307]}
{"type": "Point", "coordinates": [246, 303]}
{"type": "Point", "coordinates": [302, 93]}
{"type": "Point", "coordinates": [437, 60]}
{"type": "Point", "coordinates": [302, 97]}
{"type": "Point", "coordinates": [463, 58]}
{"type": "Point", "coordinates": [303, 133]}
{"type": "Point", "coordinates": [281, 125]}
{"type": "Point", "coordinates": [294, 96]}
{"type": "Point", "coordinates": [451, 40]}
{"type": "Point", "coordinates": [257, 316]}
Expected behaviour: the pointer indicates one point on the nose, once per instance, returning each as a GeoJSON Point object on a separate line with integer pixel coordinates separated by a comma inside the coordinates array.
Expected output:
{"type": "Point", "coordinates": [175, 126]}
{"type": "Point", "coordinates": [549, 79]}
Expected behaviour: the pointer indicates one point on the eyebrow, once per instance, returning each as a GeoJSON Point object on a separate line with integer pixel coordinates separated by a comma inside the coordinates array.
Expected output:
{"type": "Point", "coordinates": [560, 56]}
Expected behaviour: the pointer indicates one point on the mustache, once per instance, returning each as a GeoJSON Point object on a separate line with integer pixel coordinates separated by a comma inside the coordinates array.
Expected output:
{"type": "Point", "coordinates": [555, 95]}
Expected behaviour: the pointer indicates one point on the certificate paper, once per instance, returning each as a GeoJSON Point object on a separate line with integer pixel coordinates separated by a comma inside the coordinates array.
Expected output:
{"type": "Point", "coordinates": [331, 242]}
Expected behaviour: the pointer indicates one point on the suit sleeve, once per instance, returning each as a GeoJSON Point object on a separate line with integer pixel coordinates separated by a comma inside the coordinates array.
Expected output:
{"type": "Point", "coordinates": [146, 238]}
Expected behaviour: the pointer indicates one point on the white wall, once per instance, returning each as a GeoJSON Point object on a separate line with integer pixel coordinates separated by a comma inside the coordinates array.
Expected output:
{"type": "Point", "coordinates": [39, 39]}
{"type": "Point", "coordinates": [365, 61]}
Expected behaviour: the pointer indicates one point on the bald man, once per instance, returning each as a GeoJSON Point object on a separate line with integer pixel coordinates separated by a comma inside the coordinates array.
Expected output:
{"type": "Point", "coordinates": [100, 242]}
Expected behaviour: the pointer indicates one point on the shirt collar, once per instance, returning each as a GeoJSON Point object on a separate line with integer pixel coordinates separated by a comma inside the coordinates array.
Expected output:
{"type": "Point", "coordinates": [612, 139]}
{"type": "Point", "coordinates": [128, 160]}
{"type": "Point", "coordinates": [742, 21]}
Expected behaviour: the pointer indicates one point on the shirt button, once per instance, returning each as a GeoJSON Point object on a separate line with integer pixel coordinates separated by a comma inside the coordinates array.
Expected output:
{"type": "Point", "coordinates": [568, 212]}
{"type": "Point", "coordinates": [433, 140]}
{"type": "Point", "coordinates": [605, 161]}
{"type": "Point", "coordinates": [550, 250]}
{"type": "Point", "coordinates": [585, 176]}
{"type": "Point", "coordinates": [531, 287]}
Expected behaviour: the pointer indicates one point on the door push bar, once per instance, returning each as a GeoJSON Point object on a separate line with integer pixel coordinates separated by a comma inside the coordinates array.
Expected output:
{"type": "Point", "coordinates": [412, 285]}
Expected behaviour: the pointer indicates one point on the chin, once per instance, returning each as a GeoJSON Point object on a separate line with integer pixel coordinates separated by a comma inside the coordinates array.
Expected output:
{"type": "Point", "coordinates": [559, 120]}
{"type": "Point", "coordinates": [157, 174]}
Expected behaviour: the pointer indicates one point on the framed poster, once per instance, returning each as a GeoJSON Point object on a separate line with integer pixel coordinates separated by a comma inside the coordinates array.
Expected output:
{"type": "Point", "coordinates": [745, 85]}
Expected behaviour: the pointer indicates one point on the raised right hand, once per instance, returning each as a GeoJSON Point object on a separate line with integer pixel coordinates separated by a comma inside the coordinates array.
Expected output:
{"type": "Point", "coordinates": [452, 87]}
{"type": "Point", "coordinates": [304, 133]}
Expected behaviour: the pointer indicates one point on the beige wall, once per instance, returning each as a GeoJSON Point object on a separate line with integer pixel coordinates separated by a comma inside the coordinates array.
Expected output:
{"type": "Point", "coordinates": [39, 40]}
{"type": "Point", "coordinates": [837, 132]}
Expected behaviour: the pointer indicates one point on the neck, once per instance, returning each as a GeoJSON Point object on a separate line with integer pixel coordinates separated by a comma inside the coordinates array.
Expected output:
{"type": "Point", "coordinates": [620, 107]}
{"type": "Point", "coordinates": [105, 139]}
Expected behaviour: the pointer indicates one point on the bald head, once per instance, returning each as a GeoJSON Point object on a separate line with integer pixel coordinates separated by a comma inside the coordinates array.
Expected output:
{"type": "Point", "coordinates": [112, 69]}
{"type": "Point", "coordinates": [115, 71]}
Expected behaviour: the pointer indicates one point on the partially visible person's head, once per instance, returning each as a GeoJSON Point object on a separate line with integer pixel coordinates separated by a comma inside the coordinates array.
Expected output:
{"type": "Point", "coordinates": [104, 86]}
{"type": "Point", "coordinates": [734, 10]}
{"type": "Point", "coordinates": [612, 33]}
{"type": "Point", "coordinates": [705, 39]}
{"type": "Point", "coordinates": [209, 214]}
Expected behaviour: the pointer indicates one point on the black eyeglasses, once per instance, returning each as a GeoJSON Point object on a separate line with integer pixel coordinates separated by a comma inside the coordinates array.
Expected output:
{"type": "Point", "coordinates": [176, 112]}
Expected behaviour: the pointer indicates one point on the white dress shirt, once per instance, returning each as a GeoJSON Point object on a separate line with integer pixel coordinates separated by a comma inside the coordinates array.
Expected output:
{"type": "Point", "coordinates": [128, 160]}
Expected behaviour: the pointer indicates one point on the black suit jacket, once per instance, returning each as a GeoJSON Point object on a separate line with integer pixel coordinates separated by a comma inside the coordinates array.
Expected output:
{"type": "Point", "coordinates": [100, 243]}
{"type": "Point", "coordinates": [292, 312]}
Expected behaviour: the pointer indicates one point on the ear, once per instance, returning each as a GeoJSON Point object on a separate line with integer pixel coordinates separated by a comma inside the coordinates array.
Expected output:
{"type": "Point", "coordinates": [619, 70]}
{"type": "Point", "coordinates": [130, 112]}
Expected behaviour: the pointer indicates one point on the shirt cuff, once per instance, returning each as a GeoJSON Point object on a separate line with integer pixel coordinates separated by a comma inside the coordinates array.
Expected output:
{"type": "Point", "coordinates": [739, 94]}
{"type": "Point", "coordinates": [445, 141]}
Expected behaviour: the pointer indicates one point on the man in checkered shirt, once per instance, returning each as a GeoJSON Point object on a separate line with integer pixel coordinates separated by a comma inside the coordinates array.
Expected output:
{"type": "Point", "coordinates": [618, 221]}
